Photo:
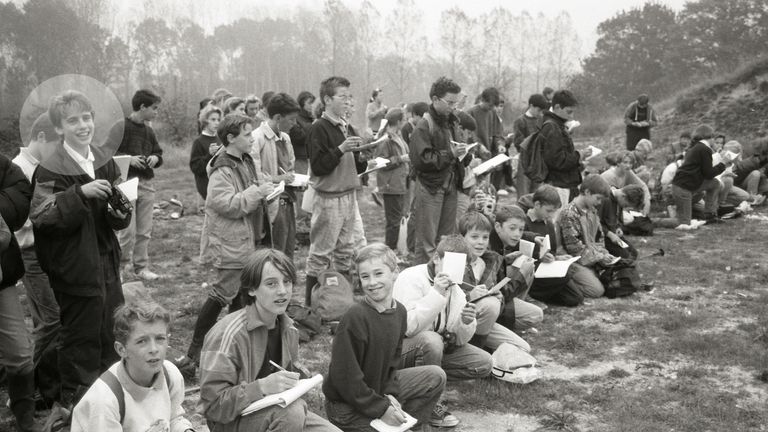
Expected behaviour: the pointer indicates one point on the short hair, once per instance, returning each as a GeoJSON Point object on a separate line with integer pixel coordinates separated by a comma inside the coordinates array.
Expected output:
{"type": "Point", "coordinates": [408, 108]}
{"type": "Point", "coordinates": [645, 143]}
{"type": "Point", "coordinates": [283, 104]}
{"type": "Point", "coordinates": [266, 97]}
{"type": "Point", "coordinates": [539, 101]}
{"type": "Point", "coordinates": [595, 184]}
{"type": "Point", "coordinates": [376, 251]}
{"type": "Point", "coordinates": [128, 314]}
{"type": "Point", "coordinates": [685, 134]}
{"type": "Point", "coordinates": [145, 98]}
{"type": "Point", "coordinates": [452, 243]}
{"type": "Point", "coordinates": [206, 112]}
{"type": "Point", "coordinates": [642, 99]}
{"type": "Point", "coordinates": [507, 212]}
{"type": "Point", "coordinates": [232, 103]}
{"type": "Point", "coordinates": [564, 98]}
{"type": "Point", "coordinates": [252, 98]}
{"type": "Point", "coordinates": [703, 132]}
{"type": "Point", "coordinates": [205, 101]}
{"type": "Point", "coordinates": [420, 108]}
{"type": "Point", "coordinates": [303, 97]}
{"type": "Point", "coordinates": [394, 116]}
{"type": "Point", "coordinates": [374, 93]}
{"type": "Point", "coordinates": [615, 158]}
{"type": "Point", "coordinates": [733, 146]}
{"type": "Point", "coordinates": [69, 98]}
{"type": "Point", "coordinates": [232, 124]}
{"type": "Point", "coordinates": [253, 271]}
{"type": "Point", "coordinates": [634, 194]}
{"type": "Point", "coordinates": [720, 135]}
{"type": "Point", "coordinates": [547, 90]}
{"type": "Point", "coordinates": [220, 95]}
{"type": "Point", "coordinates": [443, 86]}
{"type": "Point", "coordinates": [474, 220]}
{"type": "Point", "coordinates": [491, 95]}
{"type": "Point", "coordinates": [329, 85]}
{"type": "Point", "coordinates": [547, 195]}
{"type": "Point", "coordinates": [43, 124]}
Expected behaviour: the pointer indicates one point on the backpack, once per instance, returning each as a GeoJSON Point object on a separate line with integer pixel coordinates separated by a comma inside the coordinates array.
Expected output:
{"type": "Point", "coordinates": [111, 381]}
{"type": "Point", "coordinates": [531, 161]}
{"type": "Point", "coordinates": [620, 279]}
{"type": "Point", "coordinates": [332, 296]}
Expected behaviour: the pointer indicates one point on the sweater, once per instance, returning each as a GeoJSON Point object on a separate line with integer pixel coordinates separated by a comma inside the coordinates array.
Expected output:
{"type": "Point", "coordinates": [15, 195]}
{"type": "Point", "coordinates": [582, 235]}
{"type": "Point", "coordinates": [433, 161]}
{"type": "Point", "coordinates": [696, 167]}
{"type": "Point", "coordinates": [98, 409]}
{"type": "Point", "coordinates": [364, 357]}
{"type": "Point", "coordinates": [334, 173]}
{"type": "Point", "coordinates": [299, 133]}
{"type": "Point", "coordinates": [392, 178]}
{"type": "Point", "coordinates": [375, 112]}
{"type": "Point", "coordinates": [198, 161]}
{"type": "Point", "coordinates": [139, 140]}
{"type": "Point", "coordinates": [488, 131]}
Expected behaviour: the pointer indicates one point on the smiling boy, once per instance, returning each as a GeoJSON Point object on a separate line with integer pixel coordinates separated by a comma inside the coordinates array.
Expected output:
{"type": "Point", "coordinates": [239, 354]}
{"type": "Point", "coordinates": [365, 381]}
{"type": "Point", "coordinates": [142, 392]}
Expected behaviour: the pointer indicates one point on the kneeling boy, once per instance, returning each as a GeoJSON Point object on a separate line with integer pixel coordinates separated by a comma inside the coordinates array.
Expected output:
{"type": "Point", "coordinates": [142, 392]}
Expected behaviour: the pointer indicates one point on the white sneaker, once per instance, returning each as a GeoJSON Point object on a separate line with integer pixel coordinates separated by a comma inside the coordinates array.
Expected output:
{"type": "Point", "coordinates": [684, 227]}
{"type": "Point", "coordinates": [696, 223]}
{"type": "Point", "coordinates": [145, 274]}
{"type": "Point", "coordinates": [502, 192]}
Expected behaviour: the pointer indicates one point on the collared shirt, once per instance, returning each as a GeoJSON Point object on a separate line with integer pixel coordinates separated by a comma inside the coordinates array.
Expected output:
{"type": "Point", "coordinates": [478, 267]}
{"type": "Point", "coordinates": [341, 124]}
{"type": "Point", "coordinates": [532, 215]}
{"type": "Point", "coordinates": [379, 308]}
{"type": "Point", "coordinates": [86, 163]}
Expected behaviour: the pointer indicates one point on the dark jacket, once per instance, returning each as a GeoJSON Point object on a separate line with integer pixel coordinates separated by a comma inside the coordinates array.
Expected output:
{"type": "Point", "coordinates": [558, 152]}
{"type": "Point", "coordinates": [696, 167]}
{"type": "Point", "coordinates": [15, 194]}
{"type": "Point", "coordinates": [433, 161]}
{"type": "Point", "coordinates": [72, 232]}
{"type": "Point", "coordinates": [299, 133]}
{"type": "Point", "coordinates": [393, 177]}
{"type": "Point", "coordinates": [198, 160]}
{"type": "Point", "coordinates": [139, 140]}
{"type": "Point", "coordinates": [741, 169]}
{"type": "Point", "coordinates": [522, 127]}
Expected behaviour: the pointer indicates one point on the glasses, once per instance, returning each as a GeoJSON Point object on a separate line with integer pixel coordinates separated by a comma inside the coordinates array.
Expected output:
{"type": "Point", "coordinates": [344, 97]}
{"type": "Point", "coordinates": [450, 104]}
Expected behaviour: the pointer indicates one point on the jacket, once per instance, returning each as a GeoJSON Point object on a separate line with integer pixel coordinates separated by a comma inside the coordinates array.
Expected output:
{"type": "Point", "coordinates": [271, 153]}
{"type": "Point", "coordinates": [71, 231]}
{"type": "Point", "coordinates": [557, 150]}
{"type": "Point", "coordinates": [392, 178]}
{"type": "Point", "coordinates": [696, 167]}
{"type": "Point", "coordinates": [434, 163]}
{"type": "Point", "coordinates": [634, 113]}
{"type": "Point", "coordinates": [15, 194]}
{"type": "Point", "coordinates": [235, 210]}
{"type": "Point", "coordinates": [299, 133]}
{"type": "Point", "coordinates": [230, 361]}
{"type": "Point", "coordinates": [582, 235]}
{"type": "Point", "coordinates": [742, 168]}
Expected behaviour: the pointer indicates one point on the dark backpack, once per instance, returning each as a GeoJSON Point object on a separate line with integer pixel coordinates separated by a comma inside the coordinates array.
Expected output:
{"type": "Point", "coordinates": [640, 226]}
{"type": "Point", "coordinates": [531, 161]}
{"type": "Point", "coordinates": [620, 279]}
{"type": "Point", "coordinates": [111, 381]}
{"type": "Point", "coordinates": [332, 296]}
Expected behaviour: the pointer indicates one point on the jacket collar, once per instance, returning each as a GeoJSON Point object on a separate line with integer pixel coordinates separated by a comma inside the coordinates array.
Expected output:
{"type": "Point", "coordinates": [253, 319]}
{"type": "Point", "coordinates": [549, 115]}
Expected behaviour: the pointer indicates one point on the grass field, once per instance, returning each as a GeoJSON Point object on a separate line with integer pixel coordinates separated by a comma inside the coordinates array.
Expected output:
{"type": "Point", "coordinates": [687, 356]}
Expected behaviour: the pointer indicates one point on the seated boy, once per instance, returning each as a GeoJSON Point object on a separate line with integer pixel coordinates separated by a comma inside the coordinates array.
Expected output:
{"type": "Point", "coordinates": [749, 173]}
{"type": "Point", "coordinates": [365, 381]}
{"type": "Point", "coordinates": [240, 354]}
{"type": "Point", "coordinates": [628, 197]}
{"type": "Point", "coordinates": [579, 225]}
{"type": "Point", "coordinates": [641, 153]}
{"type": "Point", "coordinates": [142, 392]}
{"type": "Point", "coordinates": [486, 268]}
{"type": "Point", "coordinates": [440, 320]}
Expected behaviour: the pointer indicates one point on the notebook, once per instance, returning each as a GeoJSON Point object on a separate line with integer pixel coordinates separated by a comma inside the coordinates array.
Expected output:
{"type": "Point", "coordinates": [285, 398]}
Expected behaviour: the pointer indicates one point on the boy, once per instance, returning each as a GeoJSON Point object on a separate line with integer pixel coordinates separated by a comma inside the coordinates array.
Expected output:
{"type": "Point", "coordinates": [580, 229]}
{"type": "Point", "coordinates": [236, 220]}
{"type": "Point", "coordinates": [641, 153]}
{"type": "Point", "coordinates": [440, 320]}
{"type": "Point", "coordinates": [629, 197]}
{"type": "Point", "coordinates": [253, 352]}
{"type": "Point", "coordinates": [748, 173]}
{"type": "Point", "coordinates": [523, 127]}
{"type": "Point", "coordinates": [76, 244]}
{"type": "Point", "coordinates": [486, 268]}
{"type": "Point", "coordinates": [274, 158]}
{"type": "Point", "coordinates": [679, 148]}
{"type": "Point", "coordinates": [139, 141]}
{"type": "Point", "coordinates": [365, 380]}
{"type": "Point", "coordinates": [417, 111]}
{"type": "Point", "coordinates": [336, 230]}
{"type": "Point", "coordinates": [151, 389]}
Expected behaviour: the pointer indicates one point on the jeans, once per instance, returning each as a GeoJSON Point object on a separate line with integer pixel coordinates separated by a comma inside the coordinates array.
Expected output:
{"type": "Point", "coordinates": [295, 417]}
{"type": "Point", "coordinates": [420, 390]}
{"type": "Point", "coordinates": [684, 199]}
{"type": "Point", "coordinates": [226, 287]}
{"type": "Point", "coordinates": [336, 233]}
{"type": "Point", "coordinates": [463, 362]}
{"type": "Point", "coordinates": [755, 183]}
{"type": "Point", "coordinates": [435, 217]}
{"type": "Point", "coordinates": [584, 281]}
{"type": "Point", "coordinates": [42, 303]}
{"type": "Point", "coordinates": [527, 315]}
{"type": "Point", "coordinates": [15, 342]}
{"type": "Point", "coordinates": [134, 240]}
{"type": "Point", "coordinates": [284, 228]}
{"type": "Point", "coordinates": [393, 214]}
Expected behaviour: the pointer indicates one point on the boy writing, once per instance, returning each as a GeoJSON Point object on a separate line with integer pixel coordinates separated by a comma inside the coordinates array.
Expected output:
{"type": "Point", "coordinates": [628, 197]}
{"type": "Point", "coordinates": [365, 381]}
{"type": "Point", "coordinates": [142, 392]}
{"type": "Point", "coordinates": [253, 352]}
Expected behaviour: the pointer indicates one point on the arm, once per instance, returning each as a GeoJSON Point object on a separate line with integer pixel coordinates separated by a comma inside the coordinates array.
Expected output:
{"type": "Point", "coordinates": [323, 155]}
{"type": "Point", "coordinates": [464, 332]}
{"type": "Point", "coordinates": [629, 118]}
{"type": "Point", "coordinates": [224, 200]}
{"type": "Point", "coordinates": [424, 157]}
{"type": "Point", "coordinates": [156, 150]}
{"type": "Point", "coordinates": [554, 150]}
{"type": "Point", "coordinates": [705, 163]}
{"type": "Point", "coordinates": [652, 120]}
{"type": "Point", "coordinates": [54, 212]}
{"type": "Point", "coordinates": [15, 196]}
{"type": "Point", "coordinates": [422, 308]}
{"type": "Point", "coordinates": [199, 158]}
{"type": "Point", "coordinates": [221, 396]}
{"type": "Point", "coordinates": [178, 422]}
{"type": "Point", "coordinates": [634, 179]}
{"type": "Point", "coordinates": [97, 411]}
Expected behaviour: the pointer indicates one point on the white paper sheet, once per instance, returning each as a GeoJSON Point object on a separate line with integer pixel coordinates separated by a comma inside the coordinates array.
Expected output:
{"type": "Point", "coordinates": [285, 398]}
{"type": "Point", "coordinates": [527, 248]}
{"type": "Point", "coordinates": [469, 147]}
{"type": "Point", "coordinates": [595, 151]}
{"type": "Point", "coordinates": [300, 180]}
{"type": "Point", "coordinates": [490, 164]}
{"type": "Point", "coordinates": [555, 269]}
{"type": "Point", "coordinates": [378, 164]}
{"type": "Point", "coordinates": [123, 162]}
{"type": "Point", "coordinates": [380, 426]}
{"type": "Point", "coordinates": [454, 264]}
{"type": "Point", "coordinates": [130, 188]}
{"type": "Point", "coordinates": [545, 247]}
{"type": "Point", "coordinates": [280, 188]}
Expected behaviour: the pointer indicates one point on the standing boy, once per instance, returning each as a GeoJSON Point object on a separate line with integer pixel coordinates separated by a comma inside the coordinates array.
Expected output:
{"type": "Point", "coordinates": [523, 127]}
{"type": "Point", "coordinates": [365, 381]}
{"type": "Point", "coordinates": [139, 141]}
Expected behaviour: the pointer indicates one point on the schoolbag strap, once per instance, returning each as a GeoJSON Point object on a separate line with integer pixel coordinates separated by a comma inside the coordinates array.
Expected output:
{"type": "Point", "coordinates": [430, 122]}
{"type": "Point", "coordinates": [111, 381]}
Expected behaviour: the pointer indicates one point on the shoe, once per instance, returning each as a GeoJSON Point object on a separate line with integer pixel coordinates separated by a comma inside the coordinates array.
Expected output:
{"type": "Point", "coordinates": [713, 220]}
{"type": "Point", "coordinates": [502, 192]}
{"type": "Point", "coordinates": [147, 275]}
{"type": "Point", "coordinates": [537, 303]}
{"type": "Point", "coordinates": [442, 418]}
{"type": "Point", "coordinates": [758, 200]}
{"type": "Point", "coordinates": [696, 223]}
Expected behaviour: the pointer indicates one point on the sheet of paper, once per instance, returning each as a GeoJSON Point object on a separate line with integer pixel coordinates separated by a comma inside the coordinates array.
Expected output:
{"type": "Point", "coordinates": [280, 188]}
{"type": "Point", "coordinates": [469, 147]}
{"type": "Point", "coordinates": [285, 398]}
{"type": "Point", "coordinates": [555, 269]}
{"type": "Point", "coordinates": [130, 188]}
{"type": "Point", "coordinates": [454, 264]}
{"type": "Point", "coordinates": [380, 426]}
{"type": "Point", "coordinates": [123, 162]}
{"type": "Point", "coordinates": [623, 244]}
{"type": "Point", "coordinates": [490, 164]}
{"type": "Point", "coordinates": [595, 151]}
{"type": "Point", "coordinates": [716, 158]}
{"type": "Point", "coordinates": [382, 127]}
{"type": "Point", "coordinates": [378, 164]}
{"type": "Point", "coordinates": [634, 213]}
{"type": "Point", "coordinates": [731, 155]}
{"type": "Point", "coordinates": [545, 247]}
{"type": "Point", "coordinates": [300, 180]}
{"type": "Point", "coordinates": [527, 248]}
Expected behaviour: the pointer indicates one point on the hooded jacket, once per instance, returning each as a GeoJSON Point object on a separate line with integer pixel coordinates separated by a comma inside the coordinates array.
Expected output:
{"type": "Point", "coordinates": [558, 152]}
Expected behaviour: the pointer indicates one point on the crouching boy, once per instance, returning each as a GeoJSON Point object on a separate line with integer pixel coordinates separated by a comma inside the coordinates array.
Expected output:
{"type": "Point", "coordinates": [237, 365]}
{"type": "Point", "coordinates": [142, 392]}
{"type": "Point", "coordinates": [365, 381]}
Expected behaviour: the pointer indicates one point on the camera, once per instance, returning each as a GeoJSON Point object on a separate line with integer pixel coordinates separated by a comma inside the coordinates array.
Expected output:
{"type": "Point", "coordinates": [119, 202]}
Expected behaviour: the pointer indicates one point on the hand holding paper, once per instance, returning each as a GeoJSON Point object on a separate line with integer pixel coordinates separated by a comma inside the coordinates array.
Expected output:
{"type": "Point", "coordinates": [130, 188]}
{"type": "Point", "coordinates": [453, 265]}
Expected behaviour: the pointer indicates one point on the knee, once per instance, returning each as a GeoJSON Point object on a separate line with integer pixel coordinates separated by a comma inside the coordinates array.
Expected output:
{"type": "Point", "coordinates": [435, 378]}
{"type": "Point", "coordinates": [488, 308]}
{"type": "Point", "coordinates": [293, 416]}
{"type": "Point", "coordinates": [431, 346]}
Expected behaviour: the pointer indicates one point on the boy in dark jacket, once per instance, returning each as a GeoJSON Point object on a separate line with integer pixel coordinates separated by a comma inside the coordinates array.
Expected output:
{"type": "Point", "coordinates": [76, 244]}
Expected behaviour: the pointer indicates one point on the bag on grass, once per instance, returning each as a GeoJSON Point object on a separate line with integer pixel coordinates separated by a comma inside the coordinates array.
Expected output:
{"type": "Point", "coordinates": [306, 322]}
{"type": "Point", "coordinates": [639, 226]}
{"type": "Point", "coordinates": [512, 364]}
{"type": "Point", "coordinates": [620, 279]}
{"type": "Point", "coordinates": [332, 296]}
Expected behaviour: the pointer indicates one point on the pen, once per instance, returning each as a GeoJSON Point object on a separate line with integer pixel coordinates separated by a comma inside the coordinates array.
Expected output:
{"type": "Point", "coordinates": [281, 170]}
{"type": "Point", "coordinates": [276, 365]}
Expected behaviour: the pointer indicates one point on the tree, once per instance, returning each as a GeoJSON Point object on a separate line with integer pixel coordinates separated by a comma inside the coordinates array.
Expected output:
{"type": "Point", "coordinates": [563, 48]}
{"type": "Point", "coordinates": [404, 37]}
{"type": "Point", "coordinates": [455, 38]}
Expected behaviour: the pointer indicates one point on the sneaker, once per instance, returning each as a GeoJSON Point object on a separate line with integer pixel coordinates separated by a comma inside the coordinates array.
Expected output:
{"type": "Point", "coordinates": [758, 200]}
{"type": "Point", "coordinates": [442, 418]}
{"type": "Point", "coordinates": [696, 223]}
{"type": "Point", "coordinates": [147, 275]}
{"type": "Point", "coordinates": [502, 192]}
{"type": "Point", "coordinates": [684, 227]}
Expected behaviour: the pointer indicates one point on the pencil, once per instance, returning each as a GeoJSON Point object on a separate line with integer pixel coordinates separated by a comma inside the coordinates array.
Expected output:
{"type": "Point", "coordinates": [276, 365]}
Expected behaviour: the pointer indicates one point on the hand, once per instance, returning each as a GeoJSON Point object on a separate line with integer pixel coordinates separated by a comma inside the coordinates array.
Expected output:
{"type": "Point", "coordinates": [213, 148]}
{"type": "Point", "coordinates": [138, 162]}
{"type": "Point", "coordinates": [350, 144]}
{"type": "Point", "coordinates": [468, 314]}
{"type": "Point", "coordinates": [264, 189]}
{"type": "Point", "coordinates": [479, 291]}
{"type": "Point", "coordinates": [159, 425]}
{"type": "Point", "coordinates": [405, 158]}
{"type": "Point", "coordinates": [442, 283]}
{"type": "Point", "coordinates": [459, 149]}
{"type": "Point", "coordinates": [547, 258]}
{"type": "Point", "coordinates": [279, 381]}
{"type": "Point", "coordinates": [474, 163]}
{"type": "Point", "coordinates": [393, 417]}
{"type": "Point", "coordinates": [116, 213]}
{"type": "Point", "coordinates": [502, 149]}
{"type": "Point", "coordinates": [513, 256]}
{"type": "Point", "coordinates": [100, 189]}
{"type": "Point", "coordinates": [287, 178]}
{"type": "Point", "coordinates": [152, 161]}
{"type": "Point", "coordinates": [563, 257]}
{"type": "Point", "coordinates": [619, 232]}
{"type": "Point", "coordinates": [587, 152]}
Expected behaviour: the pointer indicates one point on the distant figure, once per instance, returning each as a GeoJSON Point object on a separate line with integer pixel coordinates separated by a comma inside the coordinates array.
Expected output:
{"type": "Point", "coordinates": [639, 118]}
{"type": "Point", "coordinates": [548, 92]}
{"type": "Point", "coordinates": [375, 111]}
